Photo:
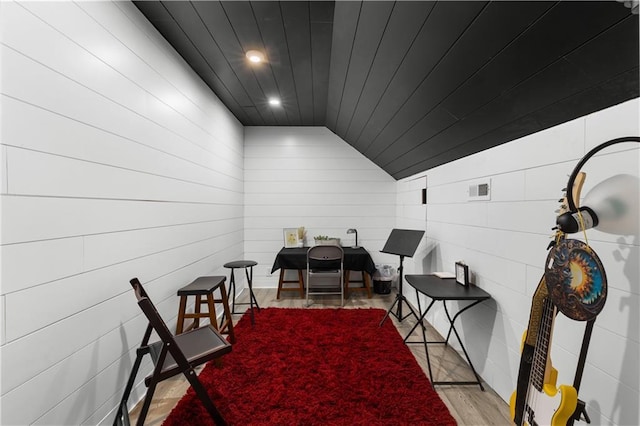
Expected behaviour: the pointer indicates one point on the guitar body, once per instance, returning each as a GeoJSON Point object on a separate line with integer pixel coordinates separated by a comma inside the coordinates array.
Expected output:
{"type": "Point", "coordinates": [537, 401]}
{"type": "Point", "coordinates": [552, 406]}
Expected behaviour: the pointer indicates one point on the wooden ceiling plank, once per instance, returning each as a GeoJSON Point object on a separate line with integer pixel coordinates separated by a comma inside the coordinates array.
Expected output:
{"type": "Point", "coordinates": [295, 16]}
{"type": "Point", "coordinates": [612, 51]}
{"type": "Point", "coordinates": [559, 81]}
{"type": "Point", "coordinates": [344, 29]}
{"type": "Point", "coordinates": [373, 21]}
{"type": "Point", "coordinates": [610, 92]}
{"type": "Point", "coordinates": [221, 33]}
{"type": "Point", "coordinates": [254, 115]}
{"type": "Point", "coordinates": [403, 27]}
{"type": "Point", "coordinates": [321, 36]}
{"type": "Point", "coordinates": [269, 21]}
{"type": "Point", "coordinates": [564, 28]}
{"type": "Point", "coordinates": [242, 18]}
{"type": "Point", "coordinates": [442, 28]}
{"type": "Point", "coordinates": [429, 126]}
{"type": "Point", "coordinates": [478, 44]}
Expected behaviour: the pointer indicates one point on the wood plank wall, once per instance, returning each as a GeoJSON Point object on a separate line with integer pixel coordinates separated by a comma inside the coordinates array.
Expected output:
{"type": "Point", "coordinates": [504, 241]}
{"type": "Point", "coordinates": [117, 162]}
{"type": "Point", "coordinates": [308, 176]}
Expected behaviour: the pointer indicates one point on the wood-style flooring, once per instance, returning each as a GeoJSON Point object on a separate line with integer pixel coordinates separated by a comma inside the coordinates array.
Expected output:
{"type": "Point", "coordinates": [468, 404]}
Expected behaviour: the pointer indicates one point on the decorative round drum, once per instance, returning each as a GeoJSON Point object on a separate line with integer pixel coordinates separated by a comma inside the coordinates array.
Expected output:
{"type": "Point", "coordinates": [576, 280]}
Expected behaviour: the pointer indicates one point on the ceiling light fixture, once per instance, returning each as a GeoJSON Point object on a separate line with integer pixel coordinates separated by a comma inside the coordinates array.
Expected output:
{"type": "Point", "coordinates": [274, 101]}
{"type": "Point", "coordinates": [255, 56]}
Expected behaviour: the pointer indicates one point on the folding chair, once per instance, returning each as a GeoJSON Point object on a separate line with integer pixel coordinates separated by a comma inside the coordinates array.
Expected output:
{"type": "Point", "coordinates": [172, 355]}
{"type": "Point", "coordinates": [324, 264]}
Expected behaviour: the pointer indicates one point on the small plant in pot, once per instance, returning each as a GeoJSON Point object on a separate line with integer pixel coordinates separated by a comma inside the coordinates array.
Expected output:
{"type": "Point", "coordinates": [321, 240]}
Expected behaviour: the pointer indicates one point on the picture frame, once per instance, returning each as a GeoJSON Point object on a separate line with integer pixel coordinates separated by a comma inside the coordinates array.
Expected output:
{"type": "Point", "coordinates": [462, 274]}
{"type": "Point", "coordinates": [290, 237]}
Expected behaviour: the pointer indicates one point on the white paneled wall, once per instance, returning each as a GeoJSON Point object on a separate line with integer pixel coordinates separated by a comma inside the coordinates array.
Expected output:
{"type": "Point", "coordinates": [410, 214]}
{"type": "Point", "coordinates": [504, 242]}
{"type": "Point", "coordinates": [308, 176]}
{"type": "Point", "coordinates": [117, 162]}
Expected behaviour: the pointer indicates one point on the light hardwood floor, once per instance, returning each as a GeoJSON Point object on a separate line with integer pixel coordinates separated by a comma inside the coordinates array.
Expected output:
{"type": "Point", "coordinates": [468, 404]}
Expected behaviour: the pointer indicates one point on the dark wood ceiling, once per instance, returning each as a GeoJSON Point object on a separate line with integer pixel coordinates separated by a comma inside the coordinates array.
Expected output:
{"type": "Point", "coordinates": [409, 84]}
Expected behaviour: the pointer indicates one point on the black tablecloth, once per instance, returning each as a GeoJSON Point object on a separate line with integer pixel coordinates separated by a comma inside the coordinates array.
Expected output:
{"type": "Point", "coordinates": [355, 259]}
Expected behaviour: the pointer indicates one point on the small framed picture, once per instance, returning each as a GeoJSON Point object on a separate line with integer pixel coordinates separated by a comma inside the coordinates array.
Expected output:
{"type": "Point", "coordinates": [462, 273]}
{"type": "Point", "coordinates": [290, 237]}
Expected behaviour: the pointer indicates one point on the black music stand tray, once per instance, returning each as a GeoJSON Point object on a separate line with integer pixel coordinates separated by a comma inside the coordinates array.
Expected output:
{"type": "Point", "coordinates": [402, 242]}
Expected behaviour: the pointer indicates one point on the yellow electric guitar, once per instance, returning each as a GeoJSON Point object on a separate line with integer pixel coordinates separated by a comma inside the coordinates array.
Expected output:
{"type": "Point", "coordinates": [537, 399]}
{"type": "Point", "coordinates": [545, 403]}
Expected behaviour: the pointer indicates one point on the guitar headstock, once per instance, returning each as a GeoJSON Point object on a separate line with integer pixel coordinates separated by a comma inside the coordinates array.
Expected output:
{"type": "Point", "coordinates": [575, 193]}
{"type": "Point", "coordinates": [564, 204]}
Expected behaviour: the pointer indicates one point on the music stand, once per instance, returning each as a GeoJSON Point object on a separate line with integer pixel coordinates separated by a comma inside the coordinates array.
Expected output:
{"type": "Point", "coordinates": [401, 242]}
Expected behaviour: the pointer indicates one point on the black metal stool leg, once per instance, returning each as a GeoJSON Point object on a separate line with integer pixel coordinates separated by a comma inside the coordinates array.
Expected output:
{"type": "Point", "coordinates": [251, 296]}
{"type": "Point", "coordinates": [249, 273]}
{"type": "Point", "coordinates": [232, 287]}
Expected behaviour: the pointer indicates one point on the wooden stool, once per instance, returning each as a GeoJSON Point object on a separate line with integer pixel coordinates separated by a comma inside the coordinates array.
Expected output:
{"type": "Point", "coordinates": [205, 286]}
{"type": "Point", "coordinates": [366, 286]}
{"type": "Point", "coordinates": [299, 282]}
{"type": "Point", "coordinates": [247, 265]}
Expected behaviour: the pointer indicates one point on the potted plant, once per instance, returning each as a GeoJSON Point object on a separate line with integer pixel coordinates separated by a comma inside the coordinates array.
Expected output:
{"type": "Point", "coordinates": [325, 240]}
{"type": "Point", "coordinates": [302, 233]}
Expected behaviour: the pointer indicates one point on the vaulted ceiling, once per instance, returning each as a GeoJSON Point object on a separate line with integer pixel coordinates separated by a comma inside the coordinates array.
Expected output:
{"type": "Point", "coordinates": [409, 84]}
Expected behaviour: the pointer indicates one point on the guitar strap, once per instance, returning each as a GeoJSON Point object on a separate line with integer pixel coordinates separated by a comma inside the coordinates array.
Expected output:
{"type": "Point", "coordinates": [528, 347]}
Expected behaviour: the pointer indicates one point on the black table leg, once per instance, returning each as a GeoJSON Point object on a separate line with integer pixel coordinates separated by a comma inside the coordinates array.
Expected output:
{"type": "Point", "coordinates": [445, 342]}
{"type": "Point", "coordinates": [453, 327]}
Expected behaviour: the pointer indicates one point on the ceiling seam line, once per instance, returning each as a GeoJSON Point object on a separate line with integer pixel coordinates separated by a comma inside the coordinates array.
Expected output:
{"type": "Point", "coordinates": [253, 12]}
{"type": "Point", "coordinates": [369, 71]}
{"type": "Point", "coordinates": [560, 59]}
{"type": "Point", "coordinates": [346, 75]}
{"type": "Point", "coordinates": [204, 57]}
{"type": "Point", "coordinates": [233, 29]}
{"type": "Point", "coordinates": [424, 79]}
{"type": "Point", "coordinates": [515, 119]}
{"type": "Point", "coordinates": [313, 103]}
{"type": "Point", "coordinates": [295, 85]}
{"type": "Point", "coordinates": [467, 79]}
{"type": "Point", "coordinates": [270, 67]}
{"type": "Point", "coordinates": [357, 138]}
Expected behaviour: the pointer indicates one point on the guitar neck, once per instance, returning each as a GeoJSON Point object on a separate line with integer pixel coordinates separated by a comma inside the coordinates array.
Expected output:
{"type": "Point", "coordinates": [541, 353]}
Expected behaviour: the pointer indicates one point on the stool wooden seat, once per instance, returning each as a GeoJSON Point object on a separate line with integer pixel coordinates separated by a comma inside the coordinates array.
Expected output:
{"type": "Point", "coordinates": [206, 286]}
{"type": "Point", "coordinates": [247, 265]}
{"type": "Point", "coordinates": [366, 284]}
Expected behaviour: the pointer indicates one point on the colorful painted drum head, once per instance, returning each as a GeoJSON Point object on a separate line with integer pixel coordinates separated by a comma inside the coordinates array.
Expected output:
{"type": "Point", "coordinates": [576, 280]}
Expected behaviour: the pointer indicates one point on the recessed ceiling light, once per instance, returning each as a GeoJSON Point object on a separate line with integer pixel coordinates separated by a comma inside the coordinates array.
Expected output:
{"type": "Point", "coordinates": [255, 56]}
{"type": "Point", "coordinates": [274, 101]}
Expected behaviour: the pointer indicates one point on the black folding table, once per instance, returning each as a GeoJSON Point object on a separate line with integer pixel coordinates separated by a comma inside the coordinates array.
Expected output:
{"type": "Point", "coordinates": [445, 289]}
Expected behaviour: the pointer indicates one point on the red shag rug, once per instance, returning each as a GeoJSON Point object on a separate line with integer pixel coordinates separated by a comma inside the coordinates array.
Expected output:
{"type": "Point", "coordinates": [316, 367]}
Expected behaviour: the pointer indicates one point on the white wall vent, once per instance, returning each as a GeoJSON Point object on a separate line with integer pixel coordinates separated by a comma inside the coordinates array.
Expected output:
{"type": "Point", "coordinates": [479, 191]}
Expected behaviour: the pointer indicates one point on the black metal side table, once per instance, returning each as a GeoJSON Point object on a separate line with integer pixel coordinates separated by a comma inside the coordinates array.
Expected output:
{"type": "Point", "coordinates": [445, 289]}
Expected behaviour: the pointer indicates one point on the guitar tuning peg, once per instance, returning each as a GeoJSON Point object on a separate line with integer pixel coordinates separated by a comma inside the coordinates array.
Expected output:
{"type": "Point", "coordinates": [556, 211]}
{"type": "Point", "coordinates": [564, 189]}
{"type": "Point", "coordinates": [561, 200]}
